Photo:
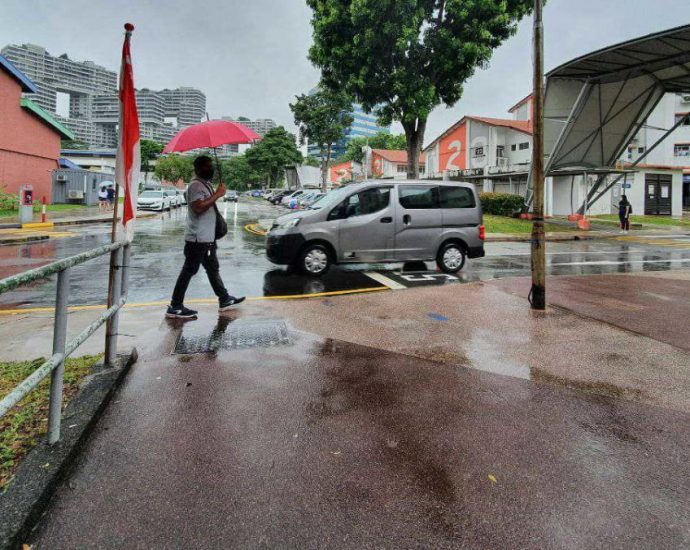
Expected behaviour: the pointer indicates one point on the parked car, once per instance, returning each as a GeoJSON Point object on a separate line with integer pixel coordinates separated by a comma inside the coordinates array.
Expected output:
{"type": "Point", "coordinates": [275, 199]}
{"type": "Point", "coordinates": [308, 201]}
{"type": "Point", "coordinates": [154, 200]}
{"type": "Point", "coordinates": [373, 222]}
{"type": "Point", "coordinates": [231, 196]}
{"type": "Point", "coordinates": [256, 193]}
{"type": "Point", "coordinates": [174, 196]}
{"type": "Point", "coordinates": [285, 201]}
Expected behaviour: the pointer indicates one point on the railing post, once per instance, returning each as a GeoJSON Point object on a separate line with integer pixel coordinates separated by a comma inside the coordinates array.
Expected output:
{"type": "Point", "coordinates": [126, 258]}
{"type": "Point", "coordinates": [111, 326]}
{"type": "Point", "coordinates": [59, 339]}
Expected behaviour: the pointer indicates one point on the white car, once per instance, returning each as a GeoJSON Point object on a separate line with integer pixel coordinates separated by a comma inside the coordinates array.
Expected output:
{"type": "Point", "coordinates": [175, 196]}
{"type": "Point", "coordinates": [154, 200]}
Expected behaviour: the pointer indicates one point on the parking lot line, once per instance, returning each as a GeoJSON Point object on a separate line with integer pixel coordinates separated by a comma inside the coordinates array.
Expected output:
{"type": "Point", "coordinates": [381, 278]}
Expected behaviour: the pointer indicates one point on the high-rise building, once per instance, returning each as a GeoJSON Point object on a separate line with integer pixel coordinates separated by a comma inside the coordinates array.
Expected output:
{"type": "Point", "coordinates": [363, 125]}
{"type": "Point", "coordinates": [258, 125]}
{"type": "Point", "coordinates": [93, 100]}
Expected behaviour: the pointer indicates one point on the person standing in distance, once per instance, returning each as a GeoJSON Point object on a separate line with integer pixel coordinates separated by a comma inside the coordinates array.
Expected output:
{"type": "Point", "coordinates": [200, 242]}
{"type": "Point", "coordinates": [624, 211]}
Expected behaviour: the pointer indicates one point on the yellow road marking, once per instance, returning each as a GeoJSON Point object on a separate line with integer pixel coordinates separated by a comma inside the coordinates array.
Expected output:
{"type": "Point", "coordinates": [197, 301]}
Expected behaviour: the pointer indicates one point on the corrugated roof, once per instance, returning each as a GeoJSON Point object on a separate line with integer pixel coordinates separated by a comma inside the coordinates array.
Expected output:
{"type": "Point", "coordinates": [24, 81]}
{"type": "Point", "coordinates": [395, 155]}
{"type": "Point", "coordinates": [47, 118]}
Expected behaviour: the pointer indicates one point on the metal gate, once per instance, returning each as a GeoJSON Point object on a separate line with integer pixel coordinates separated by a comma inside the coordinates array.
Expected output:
{"type": "Point", "coordinates": [657, 198]}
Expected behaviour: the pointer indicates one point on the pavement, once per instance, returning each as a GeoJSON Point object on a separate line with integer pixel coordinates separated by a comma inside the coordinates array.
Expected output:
{"type": "Point", "coordinates": [446, 416]}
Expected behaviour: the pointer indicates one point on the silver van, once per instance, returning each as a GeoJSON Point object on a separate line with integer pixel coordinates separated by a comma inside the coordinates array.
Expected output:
{"type": "Point", "coordinates": [382, 221]}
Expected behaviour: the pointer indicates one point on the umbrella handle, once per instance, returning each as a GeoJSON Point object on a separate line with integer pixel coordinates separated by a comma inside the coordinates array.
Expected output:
{"type": "Point", "coordinates": [215, 154]}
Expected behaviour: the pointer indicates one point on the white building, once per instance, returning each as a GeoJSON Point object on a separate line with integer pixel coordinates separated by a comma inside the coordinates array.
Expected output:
{"type": "Point", "coordinates": [496, 154]}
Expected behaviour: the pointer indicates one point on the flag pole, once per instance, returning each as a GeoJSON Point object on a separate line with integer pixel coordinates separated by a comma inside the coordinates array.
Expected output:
{"type": "Point", "coordinates": [111, 324]}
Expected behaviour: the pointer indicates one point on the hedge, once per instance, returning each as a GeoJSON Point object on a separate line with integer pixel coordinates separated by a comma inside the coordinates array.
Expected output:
{"type": "Point", "coordinates": [501, 204]}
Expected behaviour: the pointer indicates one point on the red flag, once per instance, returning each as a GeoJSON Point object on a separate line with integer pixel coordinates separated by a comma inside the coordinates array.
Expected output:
{"type": "Point", "coordinates": [128, 160]}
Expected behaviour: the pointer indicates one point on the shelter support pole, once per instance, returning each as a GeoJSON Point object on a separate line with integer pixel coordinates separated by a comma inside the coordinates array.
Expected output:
{"type": "Point", "coordinates": [538, 252]}
{"type": "Point", "coordinates": [589, 200]}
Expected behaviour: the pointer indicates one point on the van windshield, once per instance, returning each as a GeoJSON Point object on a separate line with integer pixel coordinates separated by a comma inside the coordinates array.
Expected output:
{"type": "Point", "coordinates": [331, 198]}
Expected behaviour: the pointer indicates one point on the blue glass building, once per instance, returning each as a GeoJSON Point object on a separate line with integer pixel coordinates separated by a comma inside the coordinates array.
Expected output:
{"type": "Point", "coordinates": [363, 125]}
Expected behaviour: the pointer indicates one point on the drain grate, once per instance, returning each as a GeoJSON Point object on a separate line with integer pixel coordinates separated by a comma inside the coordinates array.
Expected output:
{"type": "Point", "coordinates": [236, 335]}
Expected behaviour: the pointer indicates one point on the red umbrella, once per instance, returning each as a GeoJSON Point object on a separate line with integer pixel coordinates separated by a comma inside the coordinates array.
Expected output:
{"type": "Point", "coordinates": [209, 135]}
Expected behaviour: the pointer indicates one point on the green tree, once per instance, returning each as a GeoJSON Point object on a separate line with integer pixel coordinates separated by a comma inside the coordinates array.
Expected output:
{"type": "Point", "coordinates": [382, 140]}
{"type": "Point", "coordinates": [311, 161]}
{"type": "Point", "coordinates": [149, 150]}
{"type": "Point", "coordinates": [269, 157]}
{"type": "Point", "coordinates": [322, 117]}
{"type": "Point", "coordinates": [174, 168]}
{"type": "Point", "coordinates": [402, 58]}
{"type": "Point", "coordinates": [238, 173]}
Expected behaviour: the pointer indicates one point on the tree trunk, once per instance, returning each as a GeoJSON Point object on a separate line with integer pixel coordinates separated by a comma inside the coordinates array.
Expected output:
{"type": "Point", "coordinates": [414, 135]}
{"type": "Point", "coordinates": [324, 173]}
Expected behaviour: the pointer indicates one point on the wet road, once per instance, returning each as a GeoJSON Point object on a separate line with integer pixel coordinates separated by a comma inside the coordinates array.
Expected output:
{"type": "Point", "coordinates": [158, 258]}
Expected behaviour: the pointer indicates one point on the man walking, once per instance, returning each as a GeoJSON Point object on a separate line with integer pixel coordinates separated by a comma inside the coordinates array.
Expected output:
{"type": "Point", "coordinates": [200, 241]}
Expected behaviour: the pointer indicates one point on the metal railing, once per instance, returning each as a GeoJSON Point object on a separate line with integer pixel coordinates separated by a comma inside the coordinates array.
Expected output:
{"type": "Point", "coordinates": [120, 253]}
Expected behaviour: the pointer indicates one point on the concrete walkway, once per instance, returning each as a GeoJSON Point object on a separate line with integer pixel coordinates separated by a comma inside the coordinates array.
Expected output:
{"type": "Point", "coordinates": [443, 417]}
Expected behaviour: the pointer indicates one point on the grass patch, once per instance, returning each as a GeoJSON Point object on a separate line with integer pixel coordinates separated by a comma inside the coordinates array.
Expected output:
{"type": "Point", "coordinates": [666, 221]}
{"type": "Point", "coordinates": [504, 224]}
{"type": "Point", "coordinates": [27, 423]}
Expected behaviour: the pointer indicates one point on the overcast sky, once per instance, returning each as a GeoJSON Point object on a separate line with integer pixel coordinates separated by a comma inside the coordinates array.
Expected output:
{"type": "Point", "coordinates": [249, 56]}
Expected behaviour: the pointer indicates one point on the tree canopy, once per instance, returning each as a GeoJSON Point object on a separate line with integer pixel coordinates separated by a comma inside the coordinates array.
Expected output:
{"type": "Point", "coordinates": [322, 117]}
{"type": "Point", "coordinates": [402, 58]}
{"type": "Point", "coordinates": [174, 168]}
{"type": "Point", "coordinates": [149, 150]}
{"type": "Point", "coordinates": [238, 173]}
{"type": "Point", "coordinates": [268, 158]}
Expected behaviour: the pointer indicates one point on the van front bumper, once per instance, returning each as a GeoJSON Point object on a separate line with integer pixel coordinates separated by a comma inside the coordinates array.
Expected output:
{"type": "Point", "coordinates": [283, 249]}
{"type": "Point", "coordinates": [476, 252]}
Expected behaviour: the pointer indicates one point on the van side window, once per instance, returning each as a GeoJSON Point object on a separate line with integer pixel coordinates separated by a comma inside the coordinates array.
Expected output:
{"type": "Point", "coordinates": [417, 198]}
{"type": "Point", "coordinates": [457, 197]}
{"type": "Point", "coordinates": [368, 201]}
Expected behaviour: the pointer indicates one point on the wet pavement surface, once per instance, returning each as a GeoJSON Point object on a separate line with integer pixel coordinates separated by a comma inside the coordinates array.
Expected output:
{"type": "Point", "coordinates": [316, 442]}
{"type": "Point", "coordinates": [158, 258]}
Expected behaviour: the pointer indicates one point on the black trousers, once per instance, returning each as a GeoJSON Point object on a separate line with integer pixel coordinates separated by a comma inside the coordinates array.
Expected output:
{"type": "Point", "coordinates": [195, 255]}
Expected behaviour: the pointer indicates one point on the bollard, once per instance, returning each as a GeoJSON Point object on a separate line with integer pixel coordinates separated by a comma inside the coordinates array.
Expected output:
{"type": "Point", "coordinates": [59, 338]}
{"type": "Point", "coordinates": [43, 211]}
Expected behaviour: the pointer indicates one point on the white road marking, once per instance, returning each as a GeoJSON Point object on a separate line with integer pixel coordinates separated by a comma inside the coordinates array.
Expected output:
{"type": "Point", "coordinates": [379, 278]}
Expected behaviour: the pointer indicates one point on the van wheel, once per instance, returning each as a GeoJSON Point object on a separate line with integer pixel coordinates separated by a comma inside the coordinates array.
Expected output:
{"type": "Point", "coordinates": [451, 258]}
{"type": "Point", "coordinates": [314, 260]}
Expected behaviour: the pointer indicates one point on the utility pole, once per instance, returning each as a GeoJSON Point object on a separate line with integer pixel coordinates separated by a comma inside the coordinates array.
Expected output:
{"type": "Point", "coordinates": [538, 292]}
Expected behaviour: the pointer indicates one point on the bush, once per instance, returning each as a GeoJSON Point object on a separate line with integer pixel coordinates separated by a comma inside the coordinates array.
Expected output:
{"type": "Point", "coordinates": [501, 204]}
{"type": "Point", "coordinates": [8, 201]}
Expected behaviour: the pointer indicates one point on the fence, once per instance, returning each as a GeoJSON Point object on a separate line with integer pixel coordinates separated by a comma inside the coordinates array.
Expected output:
{"type": "Point", "coordinates": [120, 253]}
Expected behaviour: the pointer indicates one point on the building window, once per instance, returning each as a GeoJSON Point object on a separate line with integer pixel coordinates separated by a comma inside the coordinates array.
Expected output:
{"type": "Point", "coordinates": [686, 122]}
{"type": "Point", "coordinates": [640, 150]}
{"type": "Point", "coordinates": [524, 146]}
{"type": "Point", "coordinates": [681, 150]}
{"type": "Point", "coordinates": [513, 147]}
{"type": "Point", "coordinates": [500, 151]}
{"type": "Point", "coordinates": [479, 151]}
{"type": "Point", "coordinates": [421, 169]}
{"type": "Point", "coordinates": [402, 168]}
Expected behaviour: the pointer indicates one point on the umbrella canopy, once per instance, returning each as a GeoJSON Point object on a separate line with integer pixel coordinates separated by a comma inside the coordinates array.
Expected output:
{"type": "Point", "coordinates": [209, 135]}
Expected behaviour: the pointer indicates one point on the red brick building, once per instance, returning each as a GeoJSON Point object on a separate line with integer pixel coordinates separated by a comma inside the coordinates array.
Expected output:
{"type": "Point", "coordinates": [29, 136]}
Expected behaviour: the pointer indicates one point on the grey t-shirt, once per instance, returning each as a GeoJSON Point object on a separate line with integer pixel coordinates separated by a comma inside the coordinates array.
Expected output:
{"type": "Point", "coordinates": [200, 228]}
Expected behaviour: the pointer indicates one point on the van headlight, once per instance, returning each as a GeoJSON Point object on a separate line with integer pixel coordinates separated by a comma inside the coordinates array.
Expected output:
{"type": "Point", "coordinates": [294, 222]}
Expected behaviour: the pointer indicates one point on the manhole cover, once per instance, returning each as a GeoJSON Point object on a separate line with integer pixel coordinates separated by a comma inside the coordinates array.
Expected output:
{"type": "Point", "coordinates": [237, 335]}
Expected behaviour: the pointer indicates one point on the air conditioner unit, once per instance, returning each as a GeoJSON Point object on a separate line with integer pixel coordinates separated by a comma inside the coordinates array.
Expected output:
{"type": "Point", "coordinates": [685, 98]}
{"type": "Point", "coordinates": [75, 194]}
{"type": "Point", "coordinates": [61, 178]}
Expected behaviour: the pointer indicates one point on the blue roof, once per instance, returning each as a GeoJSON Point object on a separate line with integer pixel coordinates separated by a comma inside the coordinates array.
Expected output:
{"type": "Point", "coordinates": [24, 81]}
{"type": "Point", "coordinates": [67, 163]}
